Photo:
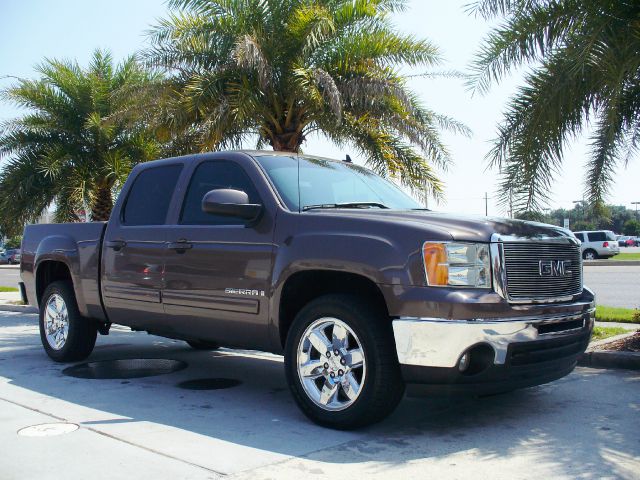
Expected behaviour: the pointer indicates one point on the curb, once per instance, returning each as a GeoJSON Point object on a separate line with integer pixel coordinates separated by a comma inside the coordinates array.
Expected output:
{"type": "Point", "coordinates": [604, 359]}
{"type": "Point", "coordinates": [18, 308]}
{"type": "Point", "coordinates": [608, 358]}
{"type": "Point", "coordinates": [611, 263]}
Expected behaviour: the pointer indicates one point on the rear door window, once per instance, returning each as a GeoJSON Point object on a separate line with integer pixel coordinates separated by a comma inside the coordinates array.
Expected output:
{"type": "Point", "coordinates": [150, 196]}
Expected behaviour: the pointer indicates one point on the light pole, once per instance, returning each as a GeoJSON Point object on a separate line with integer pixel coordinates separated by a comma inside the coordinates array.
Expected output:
{"type": "Point", "coordinates": [636, 204]}
{"type": "Point", "coordinates": [579, 202]}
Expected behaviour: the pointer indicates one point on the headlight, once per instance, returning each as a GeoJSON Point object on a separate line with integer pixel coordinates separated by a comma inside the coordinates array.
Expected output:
{"type": "Point", "coordinates": [457, 264]}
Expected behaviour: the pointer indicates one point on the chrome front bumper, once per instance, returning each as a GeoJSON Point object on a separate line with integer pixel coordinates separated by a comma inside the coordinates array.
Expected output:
{"type": "Point", "coordinates": [435, 342]}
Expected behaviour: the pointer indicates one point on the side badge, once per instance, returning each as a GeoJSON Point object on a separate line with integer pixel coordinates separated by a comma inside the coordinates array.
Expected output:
{"type": "Point", "coordinates": [242, 291]}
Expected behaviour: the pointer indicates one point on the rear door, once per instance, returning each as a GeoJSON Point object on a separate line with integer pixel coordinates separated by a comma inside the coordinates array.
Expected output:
{"type": "Point", "coordinates": [218, 269]}
{"type": "Point", "coordinates": [134, 248]}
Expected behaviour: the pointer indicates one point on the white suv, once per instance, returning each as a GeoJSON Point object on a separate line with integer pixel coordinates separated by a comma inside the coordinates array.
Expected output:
{"type": "Point", "coordinates": [598, 244]}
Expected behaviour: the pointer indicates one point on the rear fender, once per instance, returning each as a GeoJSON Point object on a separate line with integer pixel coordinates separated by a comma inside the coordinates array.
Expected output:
{"type": "Point", "coordinates": [63, 249]}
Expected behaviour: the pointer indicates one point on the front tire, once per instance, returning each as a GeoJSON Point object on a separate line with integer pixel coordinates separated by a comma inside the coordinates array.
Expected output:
{"type": "Point", "coordinates": [66, 336]}
{"type": "Point", "coordinates": [341, 363]}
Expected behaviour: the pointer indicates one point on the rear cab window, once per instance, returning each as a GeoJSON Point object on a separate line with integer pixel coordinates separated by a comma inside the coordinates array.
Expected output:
{"type": "Point", "coordinates": [150, 195]}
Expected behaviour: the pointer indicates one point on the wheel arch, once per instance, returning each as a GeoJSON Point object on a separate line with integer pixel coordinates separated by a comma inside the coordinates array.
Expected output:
{"type": "Point", "coordinates": [302, 287]}
{"type": "Point", "coordinates": [49, 271]}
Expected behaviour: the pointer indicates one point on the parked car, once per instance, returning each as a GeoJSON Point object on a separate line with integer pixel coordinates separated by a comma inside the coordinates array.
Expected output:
{"type": "Point", "coordinates": [362, 289]}
{"type": "Point", "coordinates": [4, 258]}
{"type": "Point", "coordinates": [598, 244]}
{"type": "Point", "coordinates": [636, 241]}
{"type": "Point", "coordinates": [13, 256]}
{"type": "Point", "coordinates": [622, 240]}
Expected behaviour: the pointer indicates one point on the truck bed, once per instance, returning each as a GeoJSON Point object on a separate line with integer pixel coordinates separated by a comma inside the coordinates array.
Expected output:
{"type": "Point", "coordinates": [76, 245]}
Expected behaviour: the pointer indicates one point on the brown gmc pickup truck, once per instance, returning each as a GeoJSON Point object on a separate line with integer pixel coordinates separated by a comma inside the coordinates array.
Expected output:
{"type": "Point", "coordinates": [360, 288]}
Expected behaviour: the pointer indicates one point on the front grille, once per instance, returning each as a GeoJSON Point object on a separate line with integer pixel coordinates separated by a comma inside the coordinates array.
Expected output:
{"type": "Point", "coordinates": [523, 267]}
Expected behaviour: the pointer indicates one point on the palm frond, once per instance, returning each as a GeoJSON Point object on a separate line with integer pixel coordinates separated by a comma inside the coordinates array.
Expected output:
{"type": "Point", "coordinates": [585, 67]}
{"type": "Point", "coordinates": [71, 141]}
{"type": "Point", "coordinates": [280, 70]}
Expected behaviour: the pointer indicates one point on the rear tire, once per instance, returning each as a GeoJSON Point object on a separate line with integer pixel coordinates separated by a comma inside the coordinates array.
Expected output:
{"type": "Point", "coordinates": [200, 345]}
{"type": "Point", "coordinates": [66, 336]}
{"type": "Point", "coordinates": [589, 255]}
{"type": "Point", "coordinates": [366, 385]}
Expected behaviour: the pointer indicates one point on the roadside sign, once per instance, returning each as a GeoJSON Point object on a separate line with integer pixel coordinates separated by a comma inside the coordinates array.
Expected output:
{"type": "Point", "coordinates": [566, 223]}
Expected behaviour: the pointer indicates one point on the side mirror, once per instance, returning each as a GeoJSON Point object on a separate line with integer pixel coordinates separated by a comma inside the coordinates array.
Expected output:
{"type": "Point", "coordinates": [230, 203]}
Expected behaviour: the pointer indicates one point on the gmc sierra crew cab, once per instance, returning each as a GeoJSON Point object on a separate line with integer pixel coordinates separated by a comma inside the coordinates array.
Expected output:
{"type": "Point", "coordinates": [360, 288]}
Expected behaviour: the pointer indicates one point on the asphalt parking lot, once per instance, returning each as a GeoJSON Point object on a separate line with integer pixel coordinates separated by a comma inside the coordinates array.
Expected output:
{"type": "Point", "coordinates": [615, 286]}
{"type": "Point", "coordinates": [584, 426]}
{"type": "Point", "coordinates": [9, 275]}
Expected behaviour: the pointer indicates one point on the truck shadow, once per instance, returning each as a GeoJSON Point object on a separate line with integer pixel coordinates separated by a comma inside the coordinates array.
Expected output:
{"type": "Point", "coordinates": [555, 424]}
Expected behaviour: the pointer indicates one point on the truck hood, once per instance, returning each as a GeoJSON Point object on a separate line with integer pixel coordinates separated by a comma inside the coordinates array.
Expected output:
{"type": "Point", "coordinates": [459, 227]}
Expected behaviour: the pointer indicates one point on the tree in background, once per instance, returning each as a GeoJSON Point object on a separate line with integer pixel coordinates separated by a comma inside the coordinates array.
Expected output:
{"type": "Point", "coordinates": [631, 227]}
{"type": "Point", "coordinates": [584, 217]}
{"type": "Point", "coordinates": [586, 70]}
{"type": "Point", "coordinates": [281, 70]}
{"type": "Point", "coordinates": [581, 225]}
{"type": "Point", "coordinates": [67, 150]}
{"type": "Point", "coordinates": [13, 242]}
{"type": "Point", "coordinates": [531, 216]}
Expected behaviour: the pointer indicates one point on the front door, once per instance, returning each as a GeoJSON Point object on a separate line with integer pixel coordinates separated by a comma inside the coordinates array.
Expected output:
{"type": "Point", "coordinates": [134, 249]}
{"type": "Point", "coordinates": [218, 269]}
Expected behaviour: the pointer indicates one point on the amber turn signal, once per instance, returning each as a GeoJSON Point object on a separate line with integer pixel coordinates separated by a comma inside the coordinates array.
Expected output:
{"type": "Point", "coordinates": [435, 263]}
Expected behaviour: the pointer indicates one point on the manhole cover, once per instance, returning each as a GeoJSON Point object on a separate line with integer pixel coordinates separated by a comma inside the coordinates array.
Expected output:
{"type": "Point", "coordinates": [210, 383]}
{"type": "Point", "coordinates": [47, 429]}
{"type": "Point", "coordinates": [129, 368]}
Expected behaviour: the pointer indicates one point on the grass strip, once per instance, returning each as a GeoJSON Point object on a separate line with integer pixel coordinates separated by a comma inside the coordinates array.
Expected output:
{"type": "Point", "coordinates": [621, 257]}
{"type": "Point", "coordinates": [616, 314]}
{"type": "Point", "coordinates": [605, 332]}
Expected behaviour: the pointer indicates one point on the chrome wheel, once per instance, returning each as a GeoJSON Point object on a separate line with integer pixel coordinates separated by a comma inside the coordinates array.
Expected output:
{"type": "Point", "coordinates": [56, 321]}
{"type": "Point", "coordinates": [589, 256]}
{"type": "Point", "coordinates": [331, 364]}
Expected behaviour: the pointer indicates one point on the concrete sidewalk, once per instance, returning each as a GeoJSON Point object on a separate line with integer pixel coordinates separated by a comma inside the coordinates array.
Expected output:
{"type": "Point", "coordinates": [626, 326]}
{"type": "Point", "coordinates": [585, 425]}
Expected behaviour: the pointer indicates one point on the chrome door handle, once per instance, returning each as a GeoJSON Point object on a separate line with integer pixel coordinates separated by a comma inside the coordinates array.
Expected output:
{"type": "Point", "coordinates": [180, 246]}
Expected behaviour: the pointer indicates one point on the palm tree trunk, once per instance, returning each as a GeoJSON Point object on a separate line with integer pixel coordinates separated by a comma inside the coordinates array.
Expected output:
{"type": "Point", "coordinates": [102, 204]}
{"type": "Point", "coordinates": [287, 142]}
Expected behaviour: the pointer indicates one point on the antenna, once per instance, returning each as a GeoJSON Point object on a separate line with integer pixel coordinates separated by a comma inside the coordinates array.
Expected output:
{"type": "Point", "coordinates": [348, 159]}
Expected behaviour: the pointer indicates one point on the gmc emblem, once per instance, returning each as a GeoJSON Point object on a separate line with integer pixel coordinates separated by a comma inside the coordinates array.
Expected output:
{"type": "Point", "coordinates": [554, 268]}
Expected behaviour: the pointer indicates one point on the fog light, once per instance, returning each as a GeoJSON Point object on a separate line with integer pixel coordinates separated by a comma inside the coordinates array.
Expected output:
{"type": "Point", "coordinates": [464, 362]}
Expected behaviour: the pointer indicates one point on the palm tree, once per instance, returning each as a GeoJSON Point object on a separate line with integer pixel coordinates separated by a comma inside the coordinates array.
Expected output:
{"type": "Point", "coordinates": [68, 150]}
{"type": "Point", "coordinates": [586, 74]}
{"type": "Point", "coordinates": [280, 70]}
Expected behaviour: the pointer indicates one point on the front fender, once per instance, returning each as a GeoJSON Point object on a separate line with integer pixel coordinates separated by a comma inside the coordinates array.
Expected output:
{"type": "Point", "coordinates": [372, 257]}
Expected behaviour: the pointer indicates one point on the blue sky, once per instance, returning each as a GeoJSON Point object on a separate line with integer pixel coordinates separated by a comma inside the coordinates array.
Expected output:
{"type": "Point", "coordinates": [33, 29]}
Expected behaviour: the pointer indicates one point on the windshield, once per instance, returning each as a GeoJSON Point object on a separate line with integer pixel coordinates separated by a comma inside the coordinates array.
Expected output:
{"type": "Point", "coordinates": [305, 182]}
